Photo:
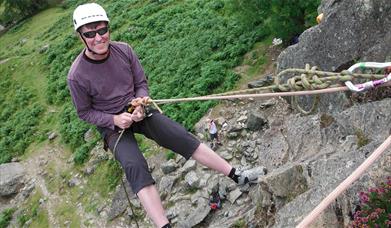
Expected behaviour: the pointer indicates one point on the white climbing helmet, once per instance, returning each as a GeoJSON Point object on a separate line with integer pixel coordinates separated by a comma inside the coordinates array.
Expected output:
{"type": "Point", "coordinates": [87, 13]}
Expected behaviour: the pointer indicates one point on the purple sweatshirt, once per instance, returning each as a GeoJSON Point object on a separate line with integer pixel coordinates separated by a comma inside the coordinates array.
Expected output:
{"type": "Point", "coordinates": [100, 89]}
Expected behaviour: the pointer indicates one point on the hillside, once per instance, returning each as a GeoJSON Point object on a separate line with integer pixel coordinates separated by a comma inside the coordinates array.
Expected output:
{"type": "Point", "coordinates": [188, 48]}
{"type": "Point", "coordinates": [206, 40]}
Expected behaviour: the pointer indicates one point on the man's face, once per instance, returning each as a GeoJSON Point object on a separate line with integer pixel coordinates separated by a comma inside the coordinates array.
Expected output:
{"type": "Point", "coordinates": [97, 37]}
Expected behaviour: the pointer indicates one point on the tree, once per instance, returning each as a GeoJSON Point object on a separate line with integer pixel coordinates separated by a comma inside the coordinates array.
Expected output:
{"type": "Point", "coordinates": [283, 18]}
{"type": "Point", "coordinates": [15, 10]}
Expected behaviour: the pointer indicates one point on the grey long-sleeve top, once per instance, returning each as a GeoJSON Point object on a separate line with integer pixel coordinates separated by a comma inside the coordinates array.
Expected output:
{"type": "Point", "coordinates": [100, 89]}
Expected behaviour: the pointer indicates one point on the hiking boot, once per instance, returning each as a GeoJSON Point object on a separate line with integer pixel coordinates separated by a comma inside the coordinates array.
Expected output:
{"type": "Point", "coordinates": [250, 175]}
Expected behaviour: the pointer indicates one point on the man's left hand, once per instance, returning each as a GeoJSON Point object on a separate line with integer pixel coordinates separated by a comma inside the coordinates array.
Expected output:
{"type": "Point", "coordinates": [138, 113]}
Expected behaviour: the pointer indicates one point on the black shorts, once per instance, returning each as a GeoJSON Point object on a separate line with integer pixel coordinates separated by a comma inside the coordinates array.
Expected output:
{"type": "Point", "coordinates": [213, 136]}
{"type": "Point", "coordinates": [164, 131]}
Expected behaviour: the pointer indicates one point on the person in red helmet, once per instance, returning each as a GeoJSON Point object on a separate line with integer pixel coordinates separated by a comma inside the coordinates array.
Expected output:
{"type": "Point", "coordinates": [103, 79]}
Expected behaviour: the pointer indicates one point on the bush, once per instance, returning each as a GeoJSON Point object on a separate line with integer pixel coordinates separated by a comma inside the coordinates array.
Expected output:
{"type": "Point", "coordinates": [5, 217]}
{"type": "Point", "coordinates": [375, 207]}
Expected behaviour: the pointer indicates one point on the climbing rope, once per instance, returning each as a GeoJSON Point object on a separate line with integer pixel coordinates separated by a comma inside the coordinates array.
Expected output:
{"type": "Point", "coordinates": [310, 218]}
{"type": "Point", "coordinates": [310, 81]}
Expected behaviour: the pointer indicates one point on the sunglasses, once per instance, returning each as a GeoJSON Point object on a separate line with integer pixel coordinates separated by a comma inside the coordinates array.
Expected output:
{"type": "Point", "coordinates": [92, 34]}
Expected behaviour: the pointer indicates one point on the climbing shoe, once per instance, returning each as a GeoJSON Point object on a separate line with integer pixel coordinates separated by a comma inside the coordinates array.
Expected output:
{"type": "Point", "coordinates": [250, 175]}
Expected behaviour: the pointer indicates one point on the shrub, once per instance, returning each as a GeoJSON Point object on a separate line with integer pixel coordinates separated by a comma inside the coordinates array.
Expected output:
{"type": "Point", "coordinates": [375, 207]}
{"type": "Point", "coordinates": [5, 217]}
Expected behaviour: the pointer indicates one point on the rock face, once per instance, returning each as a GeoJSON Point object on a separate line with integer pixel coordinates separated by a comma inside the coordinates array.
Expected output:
{"type": "Point", "coordinates": [351, 31]}
{"type": "Point", "coordinates": [11, 178]}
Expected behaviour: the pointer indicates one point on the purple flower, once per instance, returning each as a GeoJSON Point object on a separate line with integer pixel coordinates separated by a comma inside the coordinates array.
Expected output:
{"type": "Point", "coordinates": [380, 210]}
{"type": "Point", "coordinates": [364, 219]}
{"type": "Point", "coordinates": [363, 197]}
{"type": "Point", "coordinates": [374, 215]}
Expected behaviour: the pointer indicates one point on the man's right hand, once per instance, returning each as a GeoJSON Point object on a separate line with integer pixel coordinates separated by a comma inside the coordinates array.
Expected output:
{"type": "Point", "coordinates": [123, 120]}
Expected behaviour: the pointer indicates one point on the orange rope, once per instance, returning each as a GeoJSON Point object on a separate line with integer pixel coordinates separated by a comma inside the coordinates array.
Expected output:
{"type": "Point", "coordinates": [260, 95]}
{"type": "Point", "coordinates": [345, 184]}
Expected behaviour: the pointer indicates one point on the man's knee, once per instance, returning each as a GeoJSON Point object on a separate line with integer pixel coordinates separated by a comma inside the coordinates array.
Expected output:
{"type": "Point", "coordinates": [135, 168]}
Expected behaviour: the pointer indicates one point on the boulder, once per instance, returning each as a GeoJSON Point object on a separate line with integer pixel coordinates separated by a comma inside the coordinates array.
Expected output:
{"type": "Point", "coordinates": [11, 178]}
{"type": "Point", "coordinates": [346, 35]}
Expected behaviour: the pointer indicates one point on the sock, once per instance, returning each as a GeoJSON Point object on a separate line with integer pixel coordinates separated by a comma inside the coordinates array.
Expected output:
{"type": "Point", "coordinates": [233, 176]}
{"type": "Point", "coordinates": [167, 226]}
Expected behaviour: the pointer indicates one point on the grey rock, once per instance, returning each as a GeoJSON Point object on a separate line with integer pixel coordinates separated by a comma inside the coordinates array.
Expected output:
{"type": "Point", "coordinates": [267, 80]}
{"type": "Point", "coordinates": [234, 195]}
{"type": "Point", "coordinates": [74, 182]}
{"type": "Point", "coordinates": [192, 179]}
{"type": "Point", "coordinates": [43, 49]}
{"type": "Point", "coordinates": [169, 166]}
{"type": "Point", "coordinates": [256, 121]}
{"type": "Point", "coordinates": [89, 136]}
{"type": "Point", "coordinates": [197, 215]}
{"type": "Point", "coordinates": [119, 202]}
{"type": "Point", "coordinates": [189, 165]}
{"type": "Point", "coordinates": [11, 178]}
{"type": "Point", "coordinates": [52, 135]}
{"type": "Point", "coordinates": [165, 185]}
{"type": "Point", "coordinates": [287, 182]}
{"type": "Point", "coordinates": [340, 40]}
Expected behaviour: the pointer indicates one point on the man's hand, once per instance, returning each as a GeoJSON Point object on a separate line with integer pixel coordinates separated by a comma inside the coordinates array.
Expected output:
{"type": "Point", "coordinates": [138, 113]}
{"type": "Point", "coordinates": [140, 101]}
{"type": "Point", "coordinates": [123, 120]}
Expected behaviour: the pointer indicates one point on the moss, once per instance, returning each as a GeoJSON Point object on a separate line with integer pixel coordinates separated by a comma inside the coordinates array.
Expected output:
{"type": "Point", "coordinates": [362, 139]}
{"type": "Point", "coordinates": [326, 120]}
{"type": "Point", "coordinates": [239, 224]}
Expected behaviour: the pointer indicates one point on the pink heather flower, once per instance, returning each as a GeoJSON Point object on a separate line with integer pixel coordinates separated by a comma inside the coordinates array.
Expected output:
{"type": "Point", "coordinates": [389, 216]}
{"type": "Point", "coordinates": [364, 219]}
{"type": "Point", "coordinates": [363, 197]}
{"type": "Point", "coordinates": [380, 210]}
{"type": "Point", "coordinates": [374, 215]}
{"type": "Point", "coordinates": [381, 190]}
{"type": "Point", "coordinates": [358, 213]}
{"type": "Point", "coordinates": [388, 222]}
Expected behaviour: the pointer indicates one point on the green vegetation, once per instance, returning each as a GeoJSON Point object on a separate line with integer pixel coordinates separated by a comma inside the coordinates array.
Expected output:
{"type": "Point", "coordinates": [170, 155]}
{"type": "Point", "coordinates": [187, 49]}
{"type": "Point", "coordinates": [19, 119]}
{"type": "Point", "coordinates": [13, 11]}
{"type": "Point", "coordinates": [67, 214]}
{"type": "Point", "coordinates": [362, 139]}
{"type": "Point", "coordinates": [239, 224]}
{"type": "Point", "coordinates": [105, 178]}
{"type": "Point", "coordinates": [6, 216]}
{"type": "Point", "coordinates": [33, 211]}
